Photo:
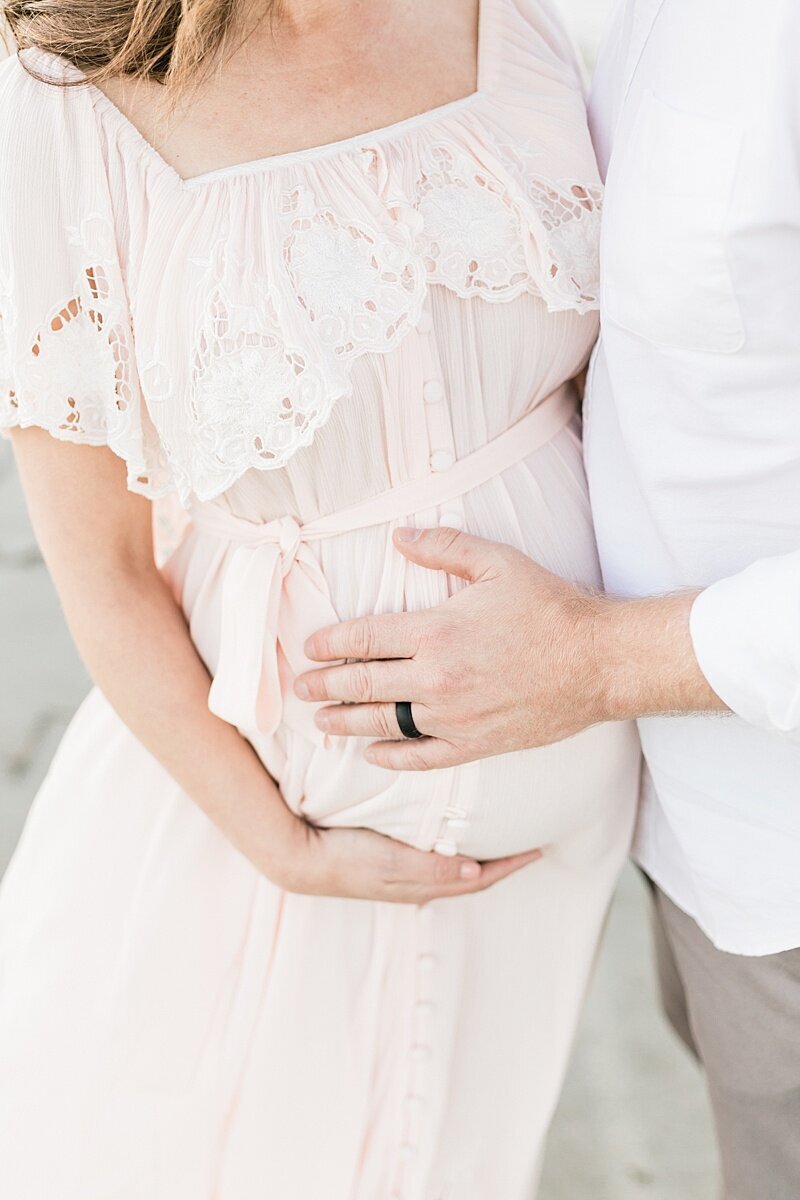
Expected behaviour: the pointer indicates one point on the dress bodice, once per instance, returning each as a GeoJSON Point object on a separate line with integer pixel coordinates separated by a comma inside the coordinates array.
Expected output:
{"type": "Point", "coordinates": [260, 327]}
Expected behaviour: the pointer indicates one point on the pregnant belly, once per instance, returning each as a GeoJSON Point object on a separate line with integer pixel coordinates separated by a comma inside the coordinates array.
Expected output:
{"type": "Point", "coordinates": [574, 796]}
{"type": "Point", "coordinates": [506, 804]}
{"type": "Point", "coordinates": [511, 802]}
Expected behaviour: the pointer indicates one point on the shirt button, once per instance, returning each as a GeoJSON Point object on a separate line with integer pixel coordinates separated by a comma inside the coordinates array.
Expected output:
{"type": "Point", "coordinates": [441, 460]}
{"type": "Point", "coordinates": [446, 849]}
{"type": "Point", "coordinates": [425, 323]}
{"type": "Point", "coordinates": [433, 392]}
{"type": "Point", "coordinates": [452, 520]}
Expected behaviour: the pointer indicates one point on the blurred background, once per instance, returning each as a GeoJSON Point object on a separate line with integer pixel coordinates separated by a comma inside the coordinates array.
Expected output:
{"type": "Point", "coordinates": [633, 1122]}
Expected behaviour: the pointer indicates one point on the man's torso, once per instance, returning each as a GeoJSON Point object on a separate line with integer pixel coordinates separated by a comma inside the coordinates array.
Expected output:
{"type": "Point", "coordinates": [693, 408]}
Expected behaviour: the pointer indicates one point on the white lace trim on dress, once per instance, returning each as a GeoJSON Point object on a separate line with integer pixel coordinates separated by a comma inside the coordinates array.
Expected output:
{"type": "Point", "coordinates": [272, 315]}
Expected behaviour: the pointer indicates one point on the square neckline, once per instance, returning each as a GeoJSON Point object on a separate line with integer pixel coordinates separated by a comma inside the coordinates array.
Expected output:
{"type": "Point", "coordinates": [264, 164]}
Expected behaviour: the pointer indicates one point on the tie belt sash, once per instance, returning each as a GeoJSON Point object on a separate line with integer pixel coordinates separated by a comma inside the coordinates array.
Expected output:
{"type": "Point", "coordinates": [274, 594]}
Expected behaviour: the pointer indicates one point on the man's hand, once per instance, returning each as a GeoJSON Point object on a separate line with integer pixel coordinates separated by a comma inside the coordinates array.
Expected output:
{"type": "Point", "coordinates": [520, 658]}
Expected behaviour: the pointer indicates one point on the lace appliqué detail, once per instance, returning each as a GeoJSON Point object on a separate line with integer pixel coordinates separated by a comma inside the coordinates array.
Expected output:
{"type": "Point", "coordinates": [76, 377]}
{"type": "Point", "coordinates": [272, 350]}
{"type": "Point", "coordinates": [79, 354]}
{"type": "Point", "coordinates": [254, 401]}
{"type": "Point", "coordinates": [360, 288]}
{"type": "Point", "coordinates": [570, 217]}
{"type": "Point", "coordinates": [472, 231]}
{"type": "Point", "coordinates": [495, 238]}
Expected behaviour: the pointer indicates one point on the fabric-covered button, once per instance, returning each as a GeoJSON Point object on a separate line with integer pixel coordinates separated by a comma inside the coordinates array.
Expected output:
{"type": "Point", "coordinates": [441, 460]}
{"type": "Point", "coordinates": [448, 849]}
{"type": "Point", "coordinates": [452, 810]}
{"type": "Point", "coordinates": [452, 520]}
{"type": "Point", "coordinates": [433, 392]}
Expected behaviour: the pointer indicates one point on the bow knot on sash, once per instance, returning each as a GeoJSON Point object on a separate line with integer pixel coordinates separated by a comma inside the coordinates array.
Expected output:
{"type": "Point", "coordinates": [289, 542]}
{"type": "Point", "coordinates": [273, 597]}
{"type": "Point", "coordinates": [274, 594]}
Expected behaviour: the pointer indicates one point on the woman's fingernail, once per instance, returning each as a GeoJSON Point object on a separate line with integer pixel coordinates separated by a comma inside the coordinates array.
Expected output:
{"type": "Point", "coordinates": [470, 870]}
{"type": "Point", "coordinates": [406, 534]}
{"type": "Point", "coordinates": [322, 719]}
{"type": "Point", "coordinates": [301, 690]}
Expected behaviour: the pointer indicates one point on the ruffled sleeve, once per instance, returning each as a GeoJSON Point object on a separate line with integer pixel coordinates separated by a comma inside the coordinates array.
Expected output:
{"type": "Point", "coordinates": [66, 342]}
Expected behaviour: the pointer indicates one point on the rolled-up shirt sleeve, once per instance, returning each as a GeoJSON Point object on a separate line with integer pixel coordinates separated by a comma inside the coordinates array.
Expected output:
{"type": "Point", "coordinates": [746, 634]}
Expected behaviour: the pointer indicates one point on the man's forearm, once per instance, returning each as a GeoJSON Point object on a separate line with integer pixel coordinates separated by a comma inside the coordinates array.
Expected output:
{"type": "Point", "coordinates": [645, 659]}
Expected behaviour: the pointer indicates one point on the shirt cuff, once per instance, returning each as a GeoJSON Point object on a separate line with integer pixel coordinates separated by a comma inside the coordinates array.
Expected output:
{"type": "Point", "coordinates": [746, 636]}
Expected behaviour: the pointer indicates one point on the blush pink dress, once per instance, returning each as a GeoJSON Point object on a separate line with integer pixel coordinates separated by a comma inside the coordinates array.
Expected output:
{"type": "Point", "coordinates": [302, 353]}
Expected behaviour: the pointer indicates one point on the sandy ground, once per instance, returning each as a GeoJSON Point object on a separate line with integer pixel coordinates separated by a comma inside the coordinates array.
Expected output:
{"type": "Point", "coordinates": [633, 1121]}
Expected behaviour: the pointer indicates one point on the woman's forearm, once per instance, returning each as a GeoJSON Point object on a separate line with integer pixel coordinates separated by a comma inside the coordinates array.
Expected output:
{"type": "Point", "coordinates": [96, 538]}
{"type": "Point", "coordinates": [137, 648]}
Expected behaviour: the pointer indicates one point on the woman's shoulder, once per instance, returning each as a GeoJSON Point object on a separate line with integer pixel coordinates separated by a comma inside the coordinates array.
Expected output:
{"type": "Point", "coordinates": [44, 113]}
{"type": "Point", "coordinates": [35, 75]}
{"type": "Point", "coordinates": [537, 34]}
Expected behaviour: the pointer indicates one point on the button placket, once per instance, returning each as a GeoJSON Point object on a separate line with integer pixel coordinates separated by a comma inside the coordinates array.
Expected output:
{"type": "Point", "coordinates": [453, 822]}
{"type": "Point", "coordinates": [438, 424]}
{"type": "Point", "coordinates": [419, 1054]}
{"type": "Point", "coordinates": [450, 822]}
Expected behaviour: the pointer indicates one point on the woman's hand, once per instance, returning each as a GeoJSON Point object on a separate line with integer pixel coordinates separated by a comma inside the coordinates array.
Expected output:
{"type": "Point", "coordinates": [361, 865]}
{"type": "Point", "coordinates": [97, 539]}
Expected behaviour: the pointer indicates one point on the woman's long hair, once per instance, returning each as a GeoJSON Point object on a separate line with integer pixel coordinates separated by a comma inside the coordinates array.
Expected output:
{"type": "Point", "coordinates": [167, 40]}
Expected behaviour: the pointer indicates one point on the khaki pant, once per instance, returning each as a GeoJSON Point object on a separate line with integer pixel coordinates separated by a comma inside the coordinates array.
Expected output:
{"type": "Point", "coordinates": [740, 1017]}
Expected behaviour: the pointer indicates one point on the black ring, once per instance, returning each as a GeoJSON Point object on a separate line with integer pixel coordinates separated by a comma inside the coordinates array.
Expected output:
{"type": "Point", "coordinates": [405, 720]}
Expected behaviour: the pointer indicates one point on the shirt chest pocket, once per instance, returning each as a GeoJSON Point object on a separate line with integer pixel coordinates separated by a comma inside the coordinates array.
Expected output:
{"type": "Point", "coordinates": [666, 270]}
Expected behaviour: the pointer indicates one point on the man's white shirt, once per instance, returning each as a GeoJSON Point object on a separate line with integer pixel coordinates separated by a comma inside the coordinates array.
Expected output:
{"type": "Point", "coordinates": [692, 431]}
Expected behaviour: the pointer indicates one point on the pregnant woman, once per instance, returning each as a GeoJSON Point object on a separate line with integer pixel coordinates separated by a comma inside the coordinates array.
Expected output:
{"type": "Point", "coordinates": [317, 271]}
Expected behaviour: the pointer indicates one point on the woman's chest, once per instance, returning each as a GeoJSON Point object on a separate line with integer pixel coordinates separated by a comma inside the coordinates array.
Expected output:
{"type": "Point", "coordinates": [462, 378]}
{"type": "Point", "coordinates": [265, 297]}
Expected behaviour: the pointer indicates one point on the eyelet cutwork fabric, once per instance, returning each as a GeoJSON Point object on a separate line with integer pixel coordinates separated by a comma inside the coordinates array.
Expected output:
{"type": "Point", "coordinates": [571, 218]}
{"type": "Point", "coordinates": [254, 400]}
{"type": "Point", "coordinates": [472, 234]}
{"type": "Point", "coordinates": [76, 375]}
{"type": "Point", "coordinates": [254, 293]}
{"type": "Point", "coordinates": [359, 287]}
